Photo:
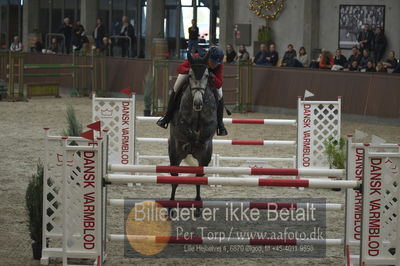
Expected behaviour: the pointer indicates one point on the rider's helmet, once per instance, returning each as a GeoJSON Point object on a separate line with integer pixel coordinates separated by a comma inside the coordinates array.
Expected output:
{"type": "Point", "coordinates": [216, 54]}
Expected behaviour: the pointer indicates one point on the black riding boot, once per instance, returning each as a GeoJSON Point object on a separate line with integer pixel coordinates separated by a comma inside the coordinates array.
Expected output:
{"type": "Point", "coordinates": [221, 130]}
{"type": "Point", "coordinates": [164, 121]}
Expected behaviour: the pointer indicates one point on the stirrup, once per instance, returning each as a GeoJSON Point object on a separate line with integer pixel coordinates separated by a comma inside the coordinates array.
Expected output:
{"type": "Point", "coordinates": [221, 131]}
{"type": "Point", "coordinates": [162, 122]}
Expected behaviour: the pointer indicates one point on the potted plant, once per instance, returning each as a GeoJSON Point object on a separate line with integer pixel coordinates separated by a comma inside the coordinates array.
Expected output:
{"type": "Point", "coordinates": [34, 206]}
{"type": "Point", "coordinates": [148, 84]}
{"type": "Point", "coordinates": [335, 150]}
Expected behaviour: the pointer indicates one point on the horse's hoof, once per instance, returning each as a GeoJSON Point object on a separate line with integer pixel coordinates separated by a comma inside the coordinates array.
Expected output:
{"type": "Point", "coordinates": [222, 131]}
{"type": "Point", "coordinates": [197, 212]}
{"type": "Point", "coordinates": [162, 123]}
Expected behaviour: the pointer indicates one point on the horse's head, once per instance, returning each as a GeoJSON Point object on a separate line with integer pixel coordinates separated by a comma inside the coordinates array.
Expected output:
{"type": "Point", "coordinates": [198, 79]}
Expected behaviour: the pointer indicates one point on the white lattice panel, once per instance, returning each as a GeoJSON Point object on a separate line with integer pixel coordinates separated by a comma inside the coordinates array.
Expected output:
{"type": "Point", "coordinates": [317, 122]}
{"type": "Point", "coordinates": [380, 242]}
{"type": "Point", "coordinates": [117, 115]}
{"type": "Point", "coordinates": [82, 232]}
{"type": "Point", "coordinates": [53, 194]}
{"type": "Point", "coordinates": [355, 171]}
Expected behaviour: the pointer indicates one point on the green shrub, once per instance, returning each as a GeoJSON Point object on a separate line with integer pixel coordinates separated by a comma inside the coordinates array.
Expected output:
{"type": "Point", "coordinates": [335, 149]}
{"type": "Point", "coordinates": [34, 204]}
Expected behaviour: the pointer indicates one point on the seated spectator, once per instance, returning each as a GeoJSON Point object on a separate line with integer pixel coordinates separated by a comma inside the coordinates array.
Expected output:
{"type": "Point", "coordinates": [315, 62]}
{"type": "Point", "coordinates": [37, 46]}
{"type": "Point", "coordinates": [326, 60]}
{"type": "Point", "coordinates": [354, 66]}
{"type": "Point", "coordinates": [355, 56]}
{"type": "Point", "coordinates": [380, 68]}
{"type": "Point", "coordinates": [16, 45]}
{"type": "Point", "coordinates": [390, 63]}
{"type": "Point", "coordinates": [272, 56]}
{"type": "Point", "coordinates": [54, 46]}
{"type": "Point", "coordinates": [340, 59]}
{"type": "Point", "coordinates": [243, 55]}
{"type": "Point", "coordinates": [364, 59]}
{"type": "Point", "coordinates": [370, 66]}
{"type": "Point", "coordinates": [261, 57]}
{"type": "Point", "coordinates": [302, 56]}
{"type": "Point", "coordinates": [230, 55]}
{"type": "Point", "coordinates": [289, 55]}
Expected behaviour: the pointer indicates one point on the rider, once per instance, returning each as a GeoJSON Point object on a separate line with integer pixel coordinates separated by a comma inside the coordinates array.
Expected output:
{"type": "Point", "coordinates": [216, 67]}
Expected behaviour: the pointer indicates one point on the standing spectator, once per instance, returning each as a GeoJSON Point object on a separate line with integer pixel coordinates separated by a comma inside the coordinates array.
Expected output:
{"type": "Point", "coordinates": [16, 45]}
{"type": "Point", "coordinates": [390, 63]}
{"type": "Point", "coordinates": [289, 55]}
{"type": "Point", "coordinates": [364, 59]}
{"type": "Point", "coordinates": [193, 37]}
{"type": "Point", "coordinates": [272, 56]}
{"type": "Point", "coordinates": [78, 34]}
{"type": "Point", "coordinates": [54, 47]}
{"type": "Point", "coordinates": [66, 30]}
{"type": "Point", "coordinates": [231, 55]}
{"type": "Point", "coordinates": [365, 38]}
{"type": "Point", "coordinates": [326, 61]}
{"type": "Point", "coordinates": [339, 61]}
{"type": "Point", "coordinates": [37, 46]}
{"type": "Point", "coordinates": [370, 67]}
{"type": "Point", "coordinates": [355, 56]}
{"type": "Point", "coordinates": [379, 44]}
{"type": "Point", "coordinates": [99, 33]}
{"type": "Point", "coordinates": [243, 55]}
{"type": "Point", "coordinates": [261, 57]}
{"type": "Point", "coordinates": [302, 56]}
{"type": "Point", "coordinates": [127, 30]}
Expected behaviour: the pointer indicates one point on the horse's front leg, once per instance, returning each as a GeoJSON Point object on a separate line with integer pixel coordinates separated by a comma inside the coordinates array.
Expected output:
{"type": "Point", "coordinates": [174, 160]}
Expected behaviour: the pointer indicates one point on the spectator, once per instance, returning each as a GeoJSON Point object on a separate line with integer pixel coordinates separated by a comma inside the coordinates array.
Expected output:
{"type": "Point", "coordinates": [261, 57]}
{"type": "Point", "coordinates": [302, 56]}
{"type": "Point", "coordinates": [127, 30]}
{"type": "Point", "coordinates": [379, 44]}
{"type": "Point", "coordinates": [66, 30]}
{"type": "Point", "coordinates": [364, 59]}
{"type": "Point", "coordinates": [193, 37]}
{"type": "Point", "coordinates": [370, 66]}
{"type": "Point", "coordinates": [78, 35]}
{"type": "Point", "coordinates": [356, 56]}
{"type": "Point", "coordinates": [390, 63]}
{"type": "Point", "coordinates": [326, 60]}
{"type": "Point", "coordinates": [289, 55]}
{"type": "Point", "coordinates": [231, 55]}
{"type": "Point", "coordinates": [380, 68]}
{"type": "Point", "coordinates": [315, 62]}
{"type": "Point", "coordinates": [339, 61]}
{"type": "Point", "coordinates": [243, 55]}
{"type": "Point", "coordinates": [54, 47]}
{"type": "Point", "coordinates": [272, 56]}
{"type": "Point", "coordinates": [365, 38]}
{"type": "Point", "coordinates": [105, 46]}
{"type": "Point", "coordinates": [37, 46]}
{"type": "Point", "coordinates": [354, 66]}
{"type": "Point", "coordinates": [16, 45]}
{"type": "Point", "coordinates": [99, 33]}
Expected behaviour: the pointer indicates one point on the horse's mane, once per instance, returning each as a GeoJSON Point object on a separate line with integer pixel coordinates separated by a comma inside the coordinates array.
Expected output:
{"type": "Point", "coordinates": [198, 64]}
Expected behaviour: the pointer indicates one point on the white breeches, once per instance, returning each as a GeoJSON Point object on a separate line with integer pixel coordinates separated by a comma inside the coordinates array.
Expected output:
{"type": "Point", "coordinates": [183, 78]}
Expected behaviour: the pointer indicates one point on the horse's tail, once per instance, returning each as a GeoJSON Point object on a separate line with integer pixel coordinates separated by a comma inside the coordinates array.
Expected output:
{"type": "Point", "coordinates": [191, 161]}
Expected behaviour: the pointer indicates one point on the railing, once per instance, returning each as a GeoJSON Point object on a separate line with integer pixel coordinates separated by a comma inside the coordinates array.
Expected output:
{"type": "Point", "coordinates": [129, 50]}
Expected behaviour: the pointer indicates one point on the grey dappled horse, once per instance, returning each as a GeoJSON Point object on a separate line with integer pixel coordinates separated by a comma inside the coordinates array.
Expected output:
{"type": "Point", "coordinates": [195, 121]}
